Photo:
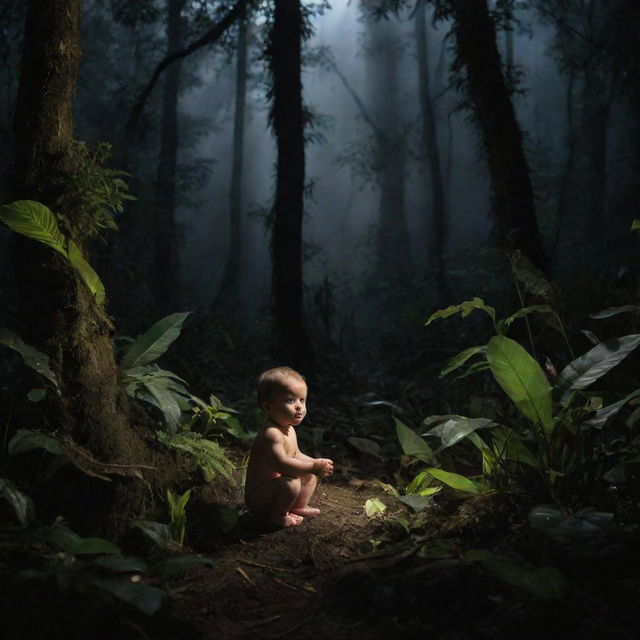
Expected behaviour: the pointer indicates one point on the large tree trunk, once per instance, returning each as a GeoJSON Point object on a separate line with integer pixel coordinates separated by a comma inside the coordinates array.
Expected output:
{"type": "Point", "coordinates": [58, 313]}
{"type": "Point", "coordinates": [165, 268]}
{"type": "Point", "coordinates": [437, 220]}
{"type": "Point", "coordinates": [286, 241]}
{"type": "Point", "coordinates": [478, 54]}
{"type": "Point", "coordinates": [228, 294]}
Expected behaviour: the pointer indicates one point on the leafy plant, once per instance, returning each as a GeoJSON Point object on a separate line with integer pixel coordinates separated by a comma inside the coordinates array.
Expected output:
{"type": "Point", "coordinates": [177, 514]}
{"type": "Point", "coordinates": [36, 221]}
{"type": "Point", "coordinates": [207, 454]}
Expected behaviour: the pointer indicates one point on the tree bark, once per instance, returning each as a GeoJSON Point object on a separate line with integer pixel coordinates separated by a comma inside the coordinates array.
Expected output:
{"type": "Point", "coordinates": [436, 238]}
{"type": "Point", "coordinates": [287, 117]}
{"type": "Point", "coordinates": [227, 294]}
{"type": "Point", "coordinates": [58, 313]}
{"type": "Point", "coordinates": [514, 205]}
{"type": "Point", "coordinates": [165, 268]}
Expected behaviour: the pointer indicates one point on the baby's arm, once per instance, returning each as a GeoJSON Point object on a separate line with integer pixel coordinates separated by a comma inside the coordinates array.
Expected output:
{"type": "Point", "coordinates": [325, 465]}
{"type": "Point", "coordinates": [285, 464]}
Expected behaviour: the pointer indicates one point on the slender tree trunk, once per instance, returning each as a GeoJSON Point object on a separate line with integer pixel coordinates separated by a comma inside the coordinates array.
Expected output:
{"type": "Point", "coordinates": [228, 292]}
{"type": "Point", "coordinates": [165, 270]}
{"type": "Point", "coordinates": [287, 118]}
{"type": "Point", "coordinates": [501, 135]}
{"type": "Point", "coordinates": [58, 313]}
{"type": "Point", "coordinates": [393, 246]}
{"type": "Point", "coordinates": [437, 222]}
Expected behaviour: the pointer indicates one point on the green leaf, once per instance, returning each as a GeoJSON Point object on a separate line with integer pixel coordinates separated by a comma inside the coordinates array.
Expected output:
{"type": "Point", "coordinates": [457, 361]}
{"type": "Point", "coordinates": [544, 582]}
{"type": "Point", "coordinates": [86, 272]}
{"type": "Point", "coordinates": [87, 546]}
{"type": "Point", "coordinates": [173, 566]}
{"type": "Point", "coordinates": [412, 444]}
{"type": "Point", "coordinates": [144, 597]}
{"type": "Point", "coordinates": [532, 278]}
{"type": "Point", "coordinates": [158, 532]}
{"type": "Point", "coordinates": [521, 313]}
{"type": "Point", "coordinates": [374, 507]}
{"type": "Point", "coordinates": [417, 503]}
{"type": "Point", "coordinates": [60, 536]}
{"type": "Point", "coordinates": [635, 225]}
{"type": "Point", "coordinates": [22, 504]}
{"type": "Point", "coordinates": [606, 413]}
{"type": "Point", "coordinates": [522, 379]}
{"type": "Point", "coordinates": [164, 400]}
{"type": "Point", "coordinates": [155, 341]}
{"type": "Point", "coordinates": [36, 221]}
{"type": "Point", "coordinates": [366, 446]}
{"type": "Point", "coordinates": [464, 308]}
{"type": "Point", "coordinates": [586, 369]}
{"type": "Point", "coordinates": [455, 481]}
{"type": "Point", "coordinates": [456, 429]}
{"type": "Point", "coordinates": [614, 311]}
{"type": "Point", "coordinates": [26, 440]}
{"type": "Point", "coordinates": [121, 564]}
{"type": "Point", "coordinates": [555, 522]}
{"type": "Point", "coordinates": [37, 395]}
{"type": "Point", "coordinates": [33, 358]}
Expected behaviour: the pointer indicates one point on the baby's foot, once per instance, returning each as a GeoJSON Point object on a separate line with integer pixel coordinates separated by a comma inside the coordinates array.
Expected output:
{"type": "Point", "coordinates": [306, 511]}
{"type": "Point", "coordinates": [288, 520]}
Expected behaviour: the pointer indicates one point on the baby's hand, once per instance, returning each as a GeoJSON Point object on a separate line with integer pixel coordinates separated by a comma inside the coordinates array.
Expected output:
{"type": "Point", "coordinates": [323, 467]}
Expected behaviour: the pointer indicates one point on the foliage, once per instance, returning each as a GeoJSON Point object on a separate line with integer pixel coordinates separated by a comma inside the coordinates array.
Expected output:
{"type": "Point", "coordinates": [207, 454]}
{"type": "Point", "coordinates": [177, 514]}
{"type": "Point", "coordinates": [37, 222]}
{"type": "Point", "coordinates": [94, 189]}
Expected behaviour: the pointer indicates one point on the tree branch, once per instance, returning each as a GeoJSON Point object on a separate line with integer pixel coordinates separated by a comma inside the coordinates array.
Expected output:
{"type": "Point", "coordinates": [211, 36]}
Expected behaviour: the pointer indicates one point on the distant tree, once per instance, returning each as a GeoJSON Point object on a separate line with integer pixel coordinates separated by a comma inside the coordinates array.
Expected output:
{"type": "Point", "coordinates": [227, 292]}
{"type": "Point", "coordinates": [165, 265]}
{"type": "Point", "coordinates": [436, 238]}
{"type": "Point", "coordinates": [58, 313]}
{"type": "Point", "coordinates": [477, 56]}
{"type": "Point", "coordinates": [288, 121]}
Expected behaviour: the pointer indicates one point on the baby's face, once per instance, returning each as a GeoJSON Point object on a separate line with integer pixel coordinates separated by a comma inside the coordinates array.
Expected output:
{"type": "Point", "coordinates": [288, 405]}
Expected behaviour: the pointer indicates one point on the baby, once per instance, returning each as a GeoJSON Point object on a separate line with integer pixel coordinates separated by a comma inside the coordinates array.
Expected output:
{"type": "Point", "coordinates": [280, 478]}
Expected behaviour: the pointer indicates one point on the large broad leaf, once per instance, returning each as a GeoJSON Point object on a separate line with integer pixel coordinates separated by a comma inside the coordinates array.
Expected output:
{"type": "Point", "coordinates": [555, 522]}
{"type": "Point", "coordinates": [155, 341]}
{"type": "Point", "coordinates": [522, 379]}
{"type": "Point", "coordinates": [121, 564]}
{"type": "Point", "coordinates": [164, 400]}
{"type": "Point", "coordinates": [544, 582]}
{"type": "Point", "coordinates": [159, 532]}
{"type": "Point", "coordinates": [457, 361]}
{"type": "Point", "coordinates": [606, 413]}
{"type": "Point", "coordinates": [33, 220]}
{"type": "Point", "coordinates": [464, 308]}
{"type": "Point", "coordinates": [86, 272]}
{"type": "Point", "coordinates": [455, 480]}
{"type": "Point", "coordinates": [412, 444]}
{"type": "Point", "coordinates": [614, 311]}
{"type": "Point", "coordinates": [144, 597]}
{"type": "Point", "coordinates": [456, 429]}
{"type": "Point", "coordinates": [173, 566]}
{"type": "Point", "coordinates": [22, 504]}
{"type": "Point", "coordinates": [26, 440]}
{"type": "Point", "coordinates": [417, 503]}
{"type": "Point", "coordinates": [33, 358]}
{"type": "Point", "coordinates": [504, 324]}
{"type": "Point", "coordinates": [88, 546]}
{"type": "Point", "coordinates": [366, 445]}
{"type": "Point", "coordinates": [586, 369]}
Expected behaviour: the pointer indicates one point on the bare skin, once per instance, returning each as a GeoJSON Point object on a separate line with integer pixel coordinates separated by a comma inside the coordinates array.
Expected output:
{"type": "Point", "coordinates": [280, 478]}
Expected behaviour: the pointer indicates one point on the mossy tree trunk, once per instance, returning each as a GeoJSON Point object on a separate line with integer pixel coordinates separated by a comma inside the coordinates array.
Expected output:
{"type": "Point", "coordinates": [58, 313]}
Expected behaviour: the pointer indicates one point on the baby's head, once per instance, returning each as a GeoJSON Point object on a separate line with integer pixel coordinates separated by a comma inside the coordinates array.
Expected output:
{"type": "Point", "coordinates": [275, 380]}
{"type": "Point", "coordinates": [282, 393]}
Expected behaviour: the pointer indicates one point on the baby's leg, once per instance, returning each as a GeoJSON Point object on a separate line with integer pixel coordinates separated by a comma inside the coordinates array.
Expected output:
{"type": "Point", "coordinates": [274, 499]}
{"type": "Point", "coordinates": [306, 491]}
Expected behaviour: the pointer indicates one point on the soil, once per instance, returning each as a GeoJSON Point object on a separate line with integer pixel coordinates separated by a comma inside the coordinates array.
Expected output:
{"type": "Point", "coordinates": [277, 583]}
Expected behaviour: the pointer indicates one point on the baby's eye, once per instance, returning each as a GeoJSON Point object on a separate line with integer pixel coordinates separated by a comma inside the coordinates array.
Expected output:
{"type": "Point", "coordinates": [290, 400]}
